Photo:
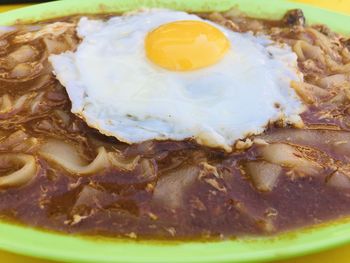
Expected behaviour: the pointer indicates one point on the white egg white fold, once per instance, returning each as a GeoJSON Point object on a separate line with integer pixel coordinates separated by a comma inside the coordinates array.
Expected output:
{"type": "Point", "coordinates": [117, 90]}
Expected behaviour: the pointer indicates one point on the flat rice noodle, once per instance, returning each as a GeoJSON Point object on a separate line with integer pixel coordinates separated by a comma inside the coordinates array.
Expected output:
{"type": "Point", "coordinates": [20, 142]}
{"type": "Point", "coordinates": [309, 93]}
{"type": "Point", "coordinates": [13, 140]}
{"type": "Point", "coordinates": [172, 187]}
{"type": "Point", "coordinates": [55, 46]}
{"type": "Point", "coordinates": [305, 51]}
{"type": "Point", "coordinates": [339, 180]}
{"type": "Point", "coordinates": [23, 54]}
{"type": "Point", "coordinates": [335, 143]}
{"type": "Point", "coordinates": [346, 55]}
{"type": "Point", "coordinates": [35, 103]}
{"type": "Point", "coordinates": [342, 94]}
{"type": "Point", "coordinates": [70, 40]}
{"type": "Point", "coordinates": [45, 125]}
{"type": "Point", "coordinates": [30, 145]}
{"type": "Point", "coordinates": [333, 80]}
{"type": "Point", "coordinates": [90, 197]}
{"type": "Point", "coordinates": [54, 29]}
{"type": "Point", "coordinates": [264, 175]}
{"type": "Point", "coordinates": [10, 107]}
{"type": "Point", "coordinates": [119, 161]}
{"type": "Point", "coordinates": [66, 155]}
{"type": "Point", "coordinates": [41, 81]}
{"type": "Point", "coordinates": [63, 116]}
{"type": "Point", "coordinates": [18, 103]}
{"type": "Point", "coordinates": [3, 44]}
{"type": "Point", "coordinates": [288, 156]}
{"type": "Point", "coordinates": [324, 42]}
{"type": "Point", "coordinates": [25, 71]}
{"type": "Point", "coordinates": [21, 176]}
{"type": "Point", "coordinates": [5, 103]}
{"type": "Point", "coordinates": [337, 67]}
{"type": "Point", "coordinates": [148, 170]}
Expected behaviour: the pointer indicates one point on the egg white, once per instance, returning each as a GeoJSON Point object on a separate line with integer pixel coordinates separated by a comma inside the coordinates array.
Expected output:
{"type": "Point", "coordinates": [116, 89]}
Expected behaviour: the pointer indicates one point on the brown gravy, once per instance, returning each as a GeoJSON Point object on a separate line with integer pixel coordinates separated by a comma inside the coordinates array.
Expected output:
{"type": "Point", "coordinates": [178, 190]}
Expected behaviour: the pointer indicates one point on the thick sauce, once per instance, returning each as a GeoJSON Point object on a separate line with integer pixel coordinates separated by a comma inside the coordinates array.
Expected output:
{"type": "Point", "coordinates": [283, 179]}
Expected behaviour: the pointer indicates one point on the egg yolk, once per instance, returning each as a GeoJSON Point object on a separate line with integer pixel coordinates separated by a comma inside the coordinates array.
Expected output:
{"type": "Point", "coordinates": [186, 45]}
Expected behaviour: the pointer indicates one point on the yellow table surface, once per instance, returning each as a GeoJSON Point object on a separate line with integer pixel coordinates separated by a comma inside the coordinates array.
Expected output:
{"type": "Point", "coordinates": [338, 255]}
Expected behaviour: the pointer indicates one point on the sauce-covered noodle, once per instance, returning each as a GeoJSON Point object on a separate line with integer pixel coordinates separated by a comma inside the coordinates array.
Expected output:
{"type": "Point", "coordinates": [59, 174]}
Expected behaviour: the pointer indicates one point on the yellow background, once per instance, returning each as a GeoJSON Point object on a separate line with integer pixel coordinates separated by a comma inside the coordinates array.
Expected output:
{"type": "Point", "coordinates": [338, 255]}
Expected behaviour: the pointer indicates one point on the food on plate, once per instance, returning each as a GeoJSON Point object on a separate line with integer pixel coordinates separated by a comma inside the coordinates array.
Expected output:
{"type": "Point", "coordinates": [172, 95]}
{"type": "Point", "coordinates": [168, 124]}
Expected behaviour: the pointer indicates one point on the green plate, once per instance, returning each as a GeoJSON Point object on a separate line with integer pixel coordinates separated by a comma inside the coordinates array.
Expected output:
{"type": "Point", "coordinates": [70, 248]}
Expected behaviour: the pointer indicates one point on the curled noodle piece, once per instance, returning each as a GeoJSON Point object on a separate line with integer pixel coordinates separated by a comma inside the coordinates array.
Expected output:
{"type": "Point", "coordinates": [54, 29]}
{"type": "Point", "coordinates": [21, 176]}
{"type": "Point", "coordinates": [55, 46]}
{"type": "Point", "coordinates": [306, 51]}
{"type": "Point", "coordinates": [333, 80]}
{"type": "Point", "coordinates": [290, 157]}
{"type": "Point", "coordinates": [172, 187]}
{"type": "Point", "coordinates": [309, 93]}
{"type": "Point", "coordinates": [335, 143]}
{"type": "Point", "coordinates": [339, 179]}
{"type": "Point", "coordinates": [10, 106]}
{"type": "Point", "coordinates": [264, 175]}
{"type": "Point", "coordinates": [67, 156]}
{"type": "Point", "coordinates": [13, 140]}
{"type": "Point", "coordinates": [24, 71]}
{"type": "Point", "coordinates": [338, 68]}
{"type": "Point", "coordinates": [19, 142]}
{"type": "Point", "coordinates": [324, 43]}
{"type": "Point", "coordinates": [5, 103]}
{"type": "Point", "coordinates": [123, 163]}
{"type": "Point", "coordinates": [23, 54]}
{"type": "Point", "coordinates": [20, 101]}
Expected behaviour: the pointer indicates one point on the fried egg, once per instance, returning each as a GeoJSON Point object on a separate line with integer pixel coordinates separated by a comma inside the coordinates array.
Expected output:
{"type": "Point", "coordinates": [162, 74]}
